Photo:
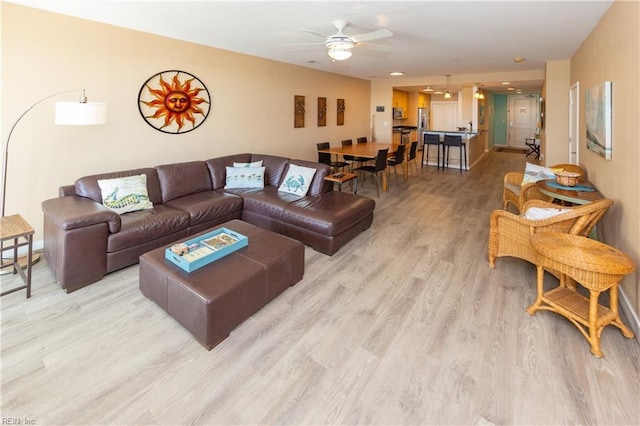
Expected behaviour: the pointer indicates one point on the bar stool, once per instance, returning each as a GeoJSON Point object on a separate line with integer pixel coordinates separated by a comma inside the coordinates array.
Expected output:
{"type": "Point", "coordinates": [454, 140]}
{"type": "Point", "coordinates": [594, 265]}
{"type": "Point", "coordinates": [431, 139]}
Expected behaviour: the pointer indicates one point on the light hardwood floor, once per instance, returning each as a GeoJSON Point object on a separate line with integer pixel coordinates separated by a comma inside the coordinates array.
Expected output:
{"type": "Point", "coordinates": [405, 325]}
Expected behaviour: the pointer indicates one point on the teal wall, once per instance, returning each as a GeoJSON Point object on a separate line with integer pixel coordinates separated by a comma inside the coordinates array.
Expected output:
{"type": "Point", "coordinates": [500, 118]}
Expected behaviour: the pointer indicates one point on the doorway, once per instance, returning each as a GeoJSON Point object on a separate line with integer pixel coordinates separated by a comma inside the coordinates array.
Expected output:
{"type": "Point", "coordinates": [523, 119]}
{"type": "Point", "coordinates": [574, 102]}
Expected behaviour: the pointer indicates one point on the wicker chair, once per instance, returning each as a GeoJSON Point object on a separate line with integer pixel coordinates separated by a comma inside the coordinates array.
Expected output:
{"type": "Point", "coordinates": [517, 194]}
{"type": "Point", "coordinates": [509, 233]}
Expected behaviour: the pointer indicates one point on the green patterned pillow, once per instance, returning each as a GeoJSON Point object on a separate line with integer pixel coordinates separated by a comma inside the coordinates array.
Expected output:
{"type": "Point", "coordinates": [298, 180]}
{"type": "Point", "coordinates": [244, 177]}
{"type": "Point", "coordinates": [126, 194]}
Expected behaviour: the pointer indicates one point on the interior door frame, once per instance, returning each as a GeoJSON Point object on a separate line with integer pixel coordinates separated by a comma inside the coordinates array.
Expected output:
{"type": "Point", "coordinates": [574, 123]}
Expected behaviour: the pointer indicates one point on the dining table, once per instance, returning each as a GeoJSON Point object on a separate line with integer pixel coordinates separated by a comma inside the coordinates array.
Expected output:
{"type": "Point", "coordinates": [367, 150]}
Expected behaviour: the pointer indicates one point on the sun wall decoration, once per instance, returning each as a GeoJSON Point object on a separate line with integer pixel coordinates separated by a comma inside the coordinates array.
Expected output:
{"type": "Point", "coordinates": [174, 101]}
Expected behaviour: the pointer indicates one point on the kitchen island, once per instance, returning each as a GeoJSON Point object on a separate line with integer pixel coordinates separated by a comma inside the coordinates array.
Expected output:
{"type": "Point", "coordinates": [473, 144]}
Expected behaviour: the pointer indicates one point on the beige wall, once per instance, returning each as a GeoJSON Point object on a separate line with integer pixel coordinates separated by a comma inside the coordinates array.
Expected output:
{"type": "Point", "coordinates": [555, 137]}
{"type": "Point", "coordinates": [612, 53]}
{"type": "Point", "coordinates": [252, 103]}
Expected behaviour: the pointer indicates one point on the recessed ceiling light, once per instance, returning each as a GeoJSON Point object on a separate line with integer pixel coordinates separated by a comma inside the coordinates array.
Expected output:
{"type": "Point", "coordinates": [518, 59]}
{"type": "Point", "coordinates": [510, 88]}
{"type": "Point", "coordinates": [506, 83]}
{"type": "Point", "coordinates": [396, 73]}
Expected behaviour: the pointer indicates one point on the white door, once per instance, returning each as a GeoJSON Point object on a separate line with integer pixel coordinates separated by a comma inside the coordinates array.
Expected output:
{"type": "Point", "coordinates": [523, 119]}
{"type": "Point", "coordinates": [574, 132]}
{"type": "Point", "coordinates": [444, 116]}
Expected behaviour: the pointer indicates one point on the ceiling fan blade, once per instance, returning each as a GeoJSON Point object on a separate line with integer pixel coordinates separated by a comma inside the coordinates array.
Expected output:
{"type": "Point", "coordinates": [373, 35]}
{"type": "Point", "coordinates": [313, 32]}
{"type": "Point", "coordinates": [304, 44]}
{"type": "Point", "coordinates": [379, 47]}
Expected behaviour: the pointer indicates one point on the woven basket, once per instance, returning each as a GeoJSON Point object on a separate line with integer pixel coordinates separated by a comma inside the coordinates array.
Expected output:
{"type": "Point", "coordinates": [567, 178]}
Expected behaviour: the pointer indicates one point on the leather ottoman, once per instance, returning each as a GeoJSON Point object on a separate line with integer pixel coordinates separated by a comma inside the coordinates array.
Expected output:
{"type": "Point", "coordinates": [211, 301]}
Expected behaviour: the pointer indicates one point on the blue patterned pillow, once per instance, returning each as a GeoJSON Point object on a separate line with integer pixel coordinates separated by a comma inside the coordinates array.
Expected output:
{"type": "Point", "coordinates": [298, 180]}
{"type": "Point", "coordinates": [245, 177]}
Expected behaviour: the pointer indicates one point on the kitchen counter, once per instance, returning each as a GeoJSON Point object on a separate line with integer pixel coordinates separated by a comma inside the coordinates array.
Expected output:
{"type": "Point", "coordinates": [397, 129]}
{"type": "Point", "coordinates": [468, 134]}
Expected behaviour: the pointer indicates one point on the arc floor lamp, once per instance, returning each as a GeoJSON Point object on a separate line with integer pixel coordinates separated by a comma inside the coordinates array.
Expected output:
{"type": "Point", "coordinates": [81, 113]}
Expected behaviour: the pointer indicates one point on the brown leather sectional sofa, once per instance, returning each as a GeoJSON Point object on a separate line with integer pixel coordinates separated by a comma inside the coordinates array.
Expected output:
{"type": "Point", "coordinates": [84, 240]}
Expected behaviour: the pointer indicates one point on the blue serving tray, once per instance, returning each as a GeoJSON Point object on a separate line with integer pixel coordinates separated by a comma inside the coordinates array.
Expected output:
{"type": "Point", "coordinates": [213, 256]}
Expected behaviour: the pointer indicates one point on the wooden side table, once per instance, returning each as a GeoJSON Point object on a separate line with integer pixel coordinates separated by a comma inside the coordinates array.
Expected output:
{"type": "Point", "coordinates": [346, 177]}
{"type": "Point", "coordinates": [596, 266]}
{"type": "Point", "coordinates": [14, 228]}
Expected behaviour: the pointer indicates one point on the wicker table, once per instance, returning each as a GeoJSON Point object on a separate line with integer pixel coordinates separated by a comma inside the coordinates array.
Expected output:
{"type": "Point", "coordinates": [596, 266]}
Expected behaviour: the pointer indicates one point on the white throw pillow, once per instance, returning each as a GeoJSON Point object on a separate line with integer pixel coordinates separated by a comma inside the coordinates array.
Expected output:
{"type": "Point", "coordinates": [298, 180]}
{"type": "Point", "coordinates": [254, 164]}
{"type": "Point", "coordinates": [244, 177]}
{"type": "Point", "coordinates": [537, 213]}
{"type": "Point", "coordinates": [534, 173]}
{"type": "Point", "coordinates": [125, 194]}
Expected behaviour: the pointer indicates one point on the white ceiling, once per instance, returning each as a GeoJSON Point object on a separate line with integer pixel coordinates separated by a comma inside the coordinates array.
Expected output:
{"type": "Point", "coordinates": [431, 38]}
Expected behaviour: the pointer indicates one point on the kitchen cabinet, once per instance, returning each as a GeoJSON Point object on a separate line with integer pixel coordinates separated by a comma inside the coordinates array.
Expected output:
{"type": "Point", "coordinates": [397, 138]}
{"type": "Point", "coordinates": [401, 100]}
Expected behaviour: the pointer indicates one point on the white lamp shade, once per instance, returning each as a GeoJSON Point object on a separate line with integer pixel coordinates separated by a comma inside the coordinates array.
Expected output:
{"type": "Point", "coordinates": [80, 114]}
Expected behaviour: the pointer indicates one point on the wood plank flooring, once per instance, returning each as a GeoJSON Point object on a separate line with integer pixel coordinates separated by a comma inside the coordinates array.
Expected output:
{"type": "Point", "coordinates": [405, 325]}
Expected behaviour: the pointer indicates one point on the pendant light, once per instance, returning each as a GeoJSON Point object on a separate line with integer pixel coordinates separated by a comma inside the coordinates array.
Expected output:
{"type": "Point", "coordinates": [447, 94]}
{"type": "Point", "coordinates": [478, 94]}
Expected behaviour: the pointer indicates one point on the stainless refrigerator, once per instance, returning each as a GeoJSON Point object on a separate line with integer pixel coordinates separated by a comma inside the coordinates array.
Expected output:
{"type": "Point", "coordinates": [423, 124]}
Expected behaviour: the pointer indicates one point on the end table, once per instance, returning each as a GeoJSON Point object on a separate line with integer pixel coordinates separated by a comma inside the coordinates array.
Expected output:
{"type": "Point", "coordinates": [341, 178]}
{"type": "Point", "coordinates": [14, 228]}
{"type": "Point", "coordinates": [594, 265]}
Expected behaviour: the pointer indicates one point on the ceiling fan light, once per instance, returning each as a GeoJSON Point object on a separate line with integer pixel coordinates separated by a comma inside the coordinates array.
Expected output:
{"type": "Point", "coordinates": [339, 50]}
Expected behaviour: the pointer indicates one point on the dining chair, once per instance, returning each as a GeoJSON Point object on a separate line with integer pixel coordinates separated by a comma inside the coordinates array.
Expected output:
{"type": "Point", "coordinates": [353, 159]}
{"type": "Point", "coordinates": [455, 141]}
{"type": "Point", "coordinates": [431, 140]}
{"type": "Point", "coordinates": [373, 170]}
{"type": "Point", "coordinates": [413, 153]}
{"type": "Point", "coordinates": [325, 157]}
{"type": "Point", "coordinates": [362, 139]}
{"type": "Point", "coordinates": [396, 160]}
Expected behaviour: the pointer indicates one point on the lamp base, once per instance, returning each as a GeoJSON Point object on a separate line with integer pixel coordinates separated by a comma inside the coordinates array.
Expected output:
{"type": "Point", "coordinates": [22, 262]}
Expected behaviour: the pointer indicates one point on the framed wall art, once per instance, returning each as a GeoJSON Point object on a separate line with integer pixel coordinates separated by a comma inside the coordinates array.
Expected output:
{"type": "Point", "coordinates": [341, 108]}
{"type": "Point", "coordinates": [598, 118]}
{"type": "Point", "coordinates": [298, 111]}
{"type": "Point", "coordinates": [174, 101]}
{"type": "Point", "coordinates": [322, 112]}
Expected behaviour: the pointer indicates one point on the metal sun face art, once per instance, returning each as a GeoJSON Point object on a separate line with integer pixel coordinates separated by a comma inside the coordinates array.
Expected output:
{"type": "Point", "coordinates": [174, 102]}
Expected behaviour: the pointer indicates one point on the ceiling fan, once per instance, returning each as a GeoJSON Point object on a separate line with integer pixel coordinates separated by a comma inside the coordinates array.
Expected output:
{"type": "Point", "coordinates": [339, 45]}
